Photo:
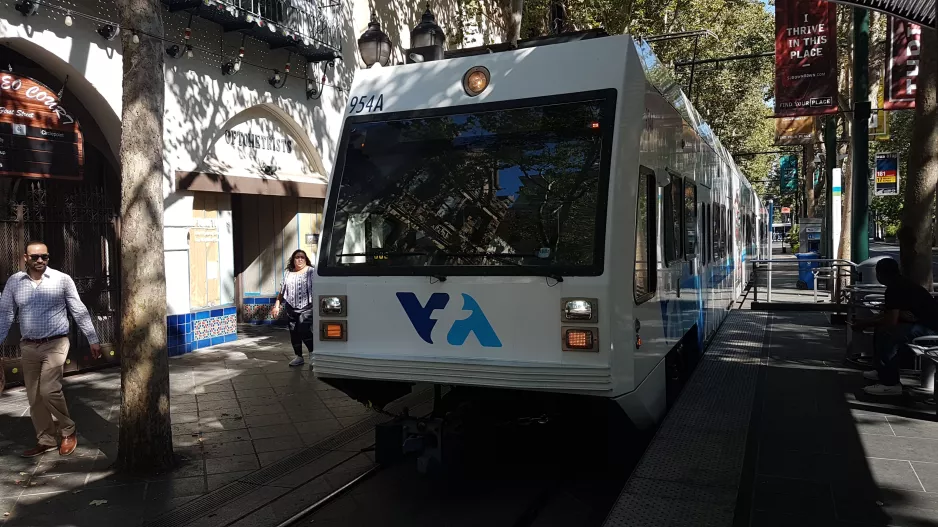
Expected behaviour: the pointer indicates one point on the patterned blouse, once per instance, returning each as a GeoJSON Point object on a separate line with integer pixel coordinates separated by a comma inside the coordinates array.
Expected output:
{"type": "Point", "coordinates": [298, 288]}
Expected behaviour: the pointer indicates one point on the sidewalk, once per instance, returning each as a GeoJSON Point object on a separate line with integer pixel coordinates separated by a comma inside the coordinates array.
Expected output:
{"type": "Point", "coordinates": [774, 429]}
{"type": "Point", "coordinates": [235, 408]}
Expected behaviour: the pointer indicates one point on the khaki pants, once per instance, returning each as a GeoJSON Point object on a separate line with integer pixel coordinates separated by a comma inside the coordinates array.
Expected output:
{"type": "Point", "coordinates": [42, 373]}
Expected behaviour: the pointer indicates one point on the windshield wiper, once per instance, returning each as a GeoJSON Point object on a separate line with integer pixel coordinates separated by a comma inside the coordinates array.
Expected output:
{"type": "Point", "coordinates": [376, 255]}
{"type": "Point", "coordinates": [507, 259]}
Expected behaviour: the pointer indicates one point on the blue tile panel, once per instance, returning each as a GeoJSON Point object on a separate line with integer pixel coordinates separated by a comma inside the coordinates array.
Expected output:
{"type": "Point", "coordinates": [256, 310]}
{"type": "Point", "coordinates": [188, 332]}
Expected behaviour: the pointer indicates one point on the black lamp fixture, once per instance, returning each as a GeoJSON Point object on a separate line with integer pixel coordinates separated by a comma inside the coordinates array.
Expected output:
{"type": "Point", "coordinates": [231, 67]}
{"type": "Point", "coordinates": [109, 31]}
{"type": "Point", "coordinates": [277, 80]}
{"type": "Point", "coordinates": [374, 45]}
{"type": "Point", "coordinates": [427, 32]}
{"type": "Point", "coordinates": [174, 51]}
{"type": "Point", "coordinates": [426, 39]}
{"type": "Point", "coordinates": [314, 89]}
{"type": "Point", "coordinates": [27, 7]}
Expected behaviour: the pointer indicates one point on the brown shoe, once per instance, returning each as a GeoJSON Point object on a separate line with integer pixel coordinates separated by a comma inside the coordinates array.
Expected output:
{"type": "Point", "coordinates": [38, 450]}
{"type": "Point", "coordinates": [68, 445]}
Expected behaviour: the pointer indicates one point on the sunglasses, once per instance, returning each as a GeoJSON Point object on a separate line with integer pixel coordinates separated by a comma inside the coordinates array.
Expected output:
{"type": "Point", "coordinates": [37, 257]}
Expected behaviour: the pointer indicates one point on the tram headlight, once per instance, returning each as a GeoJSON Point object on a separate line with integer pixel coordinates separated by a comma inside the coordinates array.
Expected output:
{"type": "Point", "coordinates": [579, 309]}
{"type": "Point", "coordinates": [476, 80]}
{"type": "Point", "coordinates": [332, 306]}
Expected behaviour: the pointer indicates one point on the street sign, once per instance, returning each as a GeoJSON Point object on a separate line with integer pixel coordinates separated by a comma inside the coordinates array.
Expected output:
{"type": "Point", "coordinates": [887, 174]}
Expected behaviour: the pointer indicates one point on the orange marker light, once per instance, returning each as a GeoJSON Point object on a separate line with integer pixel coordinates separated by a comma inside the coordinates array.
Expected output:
{"type": "Point", "coordinates": [579, 339]}
{"type": "Point", "coordinates": [333, 331]}
{"type": "Point", "coordinates": [594, 125]}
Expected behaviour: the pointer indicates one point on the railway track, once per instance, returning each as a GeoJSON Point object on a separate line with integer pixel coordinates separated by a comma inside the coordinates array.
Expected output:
{"type": "Point", "coordinates": [506, 483]}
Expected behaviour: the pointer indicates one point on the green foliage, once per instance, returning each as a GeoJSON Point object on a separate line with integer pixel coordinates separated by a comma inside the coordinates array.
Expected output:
{"type": "Point", "coordinates": [892, 230]}
{"type": "Point", "coordinates": [732, 96]}
{"type": "Point", "coordinates": [793, 239]}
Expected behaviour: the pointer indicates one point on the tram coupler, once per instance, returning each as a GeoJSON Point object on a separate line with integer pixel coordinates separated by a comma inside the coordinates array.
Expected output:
{"type": "Point", "coordinates": [410, 436]}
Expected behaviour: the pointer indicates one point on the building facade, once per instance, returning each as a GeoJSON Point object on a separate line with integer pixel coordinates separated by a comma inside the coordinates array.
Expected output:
{"type": "Point", "coordinates": [255, 93]}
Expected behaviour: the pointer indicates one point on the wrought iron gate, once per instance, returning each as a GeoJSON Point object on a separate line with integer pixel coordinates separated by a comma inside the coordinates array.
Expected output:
{"type": "Point", "coordinates": [78, 223]}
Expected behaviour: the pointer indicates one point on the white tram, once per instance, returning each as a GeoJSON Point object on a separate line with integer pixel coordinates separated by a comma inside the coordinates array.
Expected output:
{"type": "Point", "coordinates": [551, 219]}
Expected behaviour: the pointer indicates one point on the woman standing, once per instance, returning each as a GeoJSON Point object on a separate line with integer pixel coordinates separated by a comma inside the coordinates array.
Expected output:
{"type": "Point", "coordinates": [297, 294]}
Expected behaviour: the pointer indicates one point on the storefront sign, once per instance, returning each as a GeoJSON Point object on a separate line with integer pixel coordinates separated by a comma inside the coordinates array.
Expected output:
{"type": "Point", "coordinates": [805, 57]}
{"type": "Point", "coordinates": [258, 142]}
{"type": "Point", "coordinates": [902, 63]}
{"type": "Point", "coordinates": [786, 210]}
{"type": "Point", "coordinates": [38, 138]}
{"type": "Point", "coordinates": [887, 174]}
{"type": "Point", "coordinates": [794, 130]}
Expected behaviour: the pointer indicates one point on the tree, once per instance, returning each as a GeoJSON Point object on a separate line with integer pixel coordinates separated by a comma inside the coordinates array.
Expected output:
{"type": "Point", "coordinates": [915, 233]}
{"type": "Point", "coordinates": [513, 11]}
{"type": "Point", "coordinates": [145, 438]}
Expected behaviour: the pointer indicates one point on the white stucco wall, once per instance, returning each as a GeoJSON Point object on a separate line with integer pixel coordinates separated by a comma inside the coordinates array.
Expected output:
{"type": "Point", "coordinates": [200, 102]}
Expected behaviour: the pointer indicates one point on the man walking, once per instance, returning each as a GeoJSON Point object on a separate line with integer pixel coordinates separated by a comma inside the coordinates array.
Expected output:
{"type": "Point", "coordinates": [41, 295]}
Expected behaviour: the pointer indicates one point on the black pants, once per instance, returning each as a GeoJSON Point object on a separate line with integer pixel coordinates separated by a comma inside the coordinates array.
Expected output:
{"type": "Point", "coordinates": [887, 342]}
{"type": "Point", "coordinates": [301, 328]}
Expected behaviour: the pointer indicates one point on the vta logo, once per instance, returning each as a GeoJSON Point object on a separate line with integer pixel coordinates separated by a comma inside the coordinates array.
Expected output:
{"type": "Point", "coordinates": [420, 317]}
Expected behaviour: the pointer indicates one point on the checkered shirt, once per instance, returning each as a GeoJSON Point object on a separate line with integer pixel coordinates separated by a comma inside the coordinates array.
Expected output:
{"type": "Point", "coordinates": [42, 309]}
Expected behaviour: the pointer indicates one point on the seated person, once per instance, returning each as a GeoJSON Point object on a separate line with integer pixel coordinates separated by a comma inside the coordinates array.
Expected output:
{"type": "Point", "coordinates": [902, 295]}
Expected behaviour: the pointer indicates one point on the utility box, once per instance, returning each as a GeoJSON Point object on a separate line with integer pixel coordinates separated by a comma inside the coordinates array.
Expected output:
{"type": "Point", "coordinates": [809, 235]}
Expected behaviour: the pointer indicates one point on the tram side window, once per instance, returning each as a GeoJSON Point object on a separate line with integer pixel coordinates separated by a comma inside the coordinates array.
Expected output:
{"type": "Point", "coordinates": [646, 229]}
{"type": "Point", "coordinates": [709, 233]}
{"type": "Point", "coordinates": [705, 248]}
{"type": "Point", "coordinates": [721, 232]}
{"type": "Point", "coordinates": [715, 235]}
{"type": "Point", "coordinates": [690, 219]}
{"type": "Point", "coordinates": [673, 227]}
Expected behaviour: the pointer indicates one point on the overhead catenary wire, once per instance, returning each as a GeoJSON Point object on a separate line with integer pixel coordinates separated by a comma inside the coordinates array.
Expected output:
{"type": "Point", "coordinates": [164, 40]}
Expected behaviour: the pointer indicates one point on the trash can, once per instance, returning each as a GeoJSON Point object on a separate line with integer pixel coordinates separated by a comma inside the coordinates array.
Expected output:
{"type": "Point", "coordinates": [805, 269]}
{"type": "Point", "coordinates": [867, 270]}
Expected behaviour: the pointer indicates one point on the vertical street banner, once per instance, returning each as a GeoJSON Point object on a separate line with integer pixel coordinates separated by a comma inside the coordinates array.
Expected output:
{"type": "Point", "coordinates": [805, 57]}
{"type": "Point", "coordinates": [905, 48]}
{"type": "Point", "coordinates": [794, 130]}
{"type": "Point", "coordinates": [879, 121]}
{"type": "Point", "coordinates": [887, 174]}
{"type": "Point", "coordinates": [788, 172]}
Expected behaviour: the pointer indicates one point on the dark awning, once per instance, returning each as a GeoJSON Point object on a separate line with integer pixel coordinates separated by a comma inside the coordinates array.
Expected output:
{"type": "Point", "coordinates": [917, 11]}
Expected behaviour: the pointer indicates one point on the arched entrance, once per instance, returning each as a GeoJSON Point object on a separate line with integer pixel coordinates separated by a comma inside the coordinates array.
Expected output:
{"type": "Point", "coordinates": [58, 184]}
{"type": "Point", "coordinates": [262, 167]}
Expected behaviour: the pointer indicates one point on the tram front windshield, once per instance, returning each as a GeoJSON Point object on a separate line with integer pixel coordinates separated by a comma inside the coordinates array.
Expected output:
{"type": "Point", "coordinates": [496, 190]}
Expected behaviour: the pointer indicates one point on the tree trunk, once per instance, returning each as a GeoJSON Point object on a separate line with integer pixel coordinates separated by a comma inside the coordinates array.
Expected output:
{"type": "Point", "coordinates": [915, 231]}
{"type": "Point", "coordinates": [513, 21]}
{"type": "Point", "coordinates": [145, 439]}
{"type": "Point", "coordinates": [846, 196]}
{"type": "Point", "coordinates": [808, 171]}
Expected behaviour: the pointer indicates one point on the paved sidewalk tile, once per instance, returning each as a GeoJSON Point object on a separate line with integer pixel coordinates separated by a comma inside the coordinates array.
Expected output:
{"type": "Point", "coordinates": [236, 408]}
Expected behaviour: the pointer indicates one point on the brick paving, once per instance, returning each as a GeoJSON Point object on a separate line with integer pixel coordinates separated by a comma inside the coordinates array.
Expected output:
{"type": "Point", "coordinates": [235, 408]}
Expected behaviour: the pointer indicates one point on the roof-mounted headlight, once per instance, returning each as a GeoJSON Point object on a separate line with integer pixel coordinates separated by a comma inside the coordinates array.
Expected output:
{"type": "Point", "coordinates": [476, 80]}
